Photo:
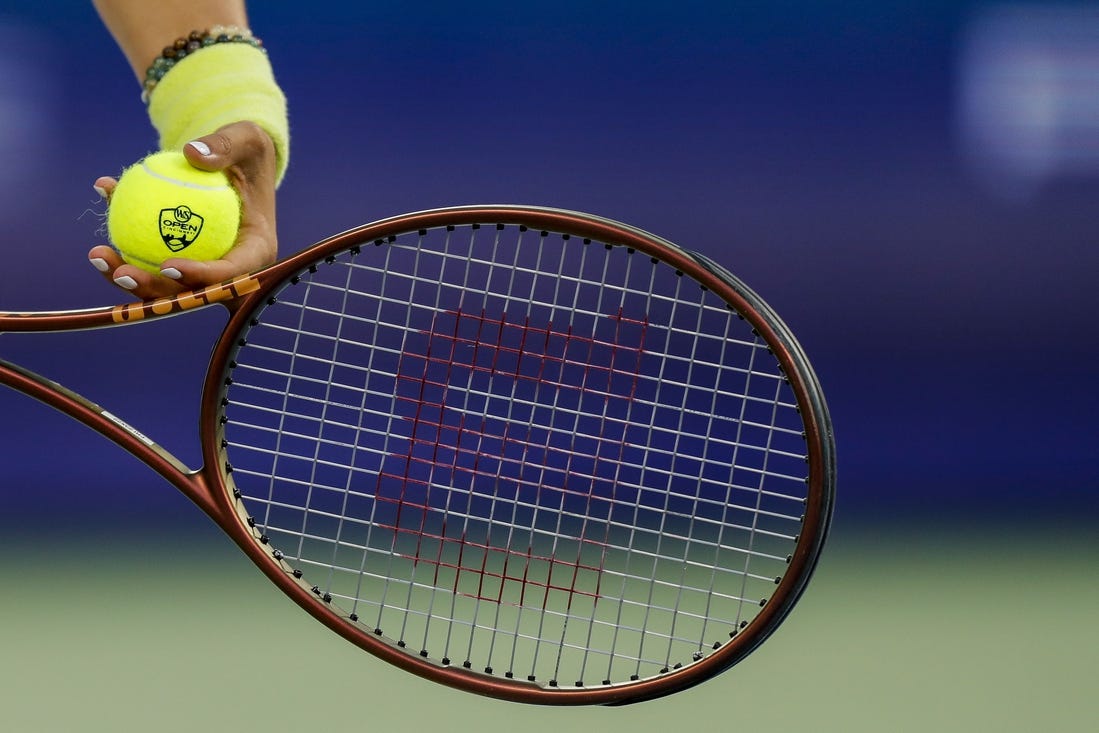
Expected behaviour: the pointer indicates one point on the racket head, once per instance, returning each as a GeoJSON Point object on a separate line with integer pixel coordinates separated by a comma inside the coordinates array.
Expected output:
{"type": "Point", "coordinates": [485, 444]}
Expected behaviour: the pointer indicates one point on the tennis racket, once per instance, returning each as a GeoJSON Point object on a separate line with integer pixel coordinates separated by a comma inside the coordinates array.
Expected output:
{"type": "Point", "coordinates": [529, 453]}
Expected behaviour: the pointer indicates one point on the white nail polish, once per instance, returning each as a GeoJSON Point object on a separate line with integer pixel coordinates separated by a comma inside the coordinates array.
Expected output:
{"type": "Point", "coordinates": [101, 191]}
{"type": "Point", "coordinates": [171, 272]}
{"type": "Point", "coordinates": [202, 148]}
{"type": "Point", "coordinates": [99, 263]}
{"type": "Point", "coordinates": [126, 282]}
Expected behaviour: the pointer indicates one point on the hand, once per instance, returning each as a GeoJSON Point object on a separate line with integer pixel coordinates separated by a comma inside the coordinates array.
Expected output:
{"type": "Point", "coordinates": [247, 156]}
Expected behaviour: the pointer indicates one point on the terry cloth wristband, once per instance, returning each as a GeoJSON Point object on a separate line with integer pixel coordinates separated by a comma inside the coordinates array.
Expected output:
{"type": "Point", "coordinates": [215, 86]}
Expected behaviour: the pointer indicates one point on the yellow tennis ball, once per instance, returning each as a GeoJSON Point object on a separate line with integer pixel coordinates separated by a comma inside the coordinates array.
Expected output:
{"type": "Point", "coordinates": [165, 207]}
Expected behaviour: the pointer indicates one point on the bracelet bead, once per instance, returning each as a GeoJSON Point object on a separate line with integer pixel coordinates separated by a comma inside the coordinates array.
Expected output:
{"type": "Point", "coordinates": [191, 43]}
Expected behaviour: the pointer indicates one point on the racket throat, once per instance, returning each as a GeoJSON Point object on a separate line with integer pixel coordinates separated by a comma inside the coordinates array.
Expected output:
{"type": "Point", "coordinates": [110, 426]}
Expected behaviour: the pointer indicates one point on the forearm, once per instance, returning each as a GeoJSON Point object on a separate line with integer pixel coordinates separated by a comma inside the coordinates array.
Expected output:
{"type": "Point", "coordinates": [142, 29]}
{"type": "Point", "coordinates": [220, 82]}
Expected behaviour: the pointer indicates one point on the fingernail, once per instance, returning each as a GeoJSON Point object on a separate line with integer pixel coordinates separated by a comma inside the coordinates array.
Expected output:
{"type": "Point", "coordinates": [202, 148]}
{"type": "Point", "coordinates": [99, 263]}
{"type": "Point", "coordinates": [171, 272]}
{"type": "Point", "coordinates": [126, 282]}
{"type": "Point", "coordinates": [101, 191]}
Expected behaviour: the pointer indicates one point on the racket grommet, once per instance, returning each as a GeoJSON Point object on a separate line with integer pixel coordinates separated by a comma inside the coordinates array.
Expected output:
{"type": "Point", "coordinates": [579, 683]}
{"type": "Point", "coordinates": [553, 683]}
{"type": "Point", "coordinates": [378, 632]}
{"type": "Point", "coordinates": [423, 652]}
{"type": "Point", "coordinates": [264, 539]}
{"type": "Point", "coordinates": [251, 521]}
{"type": "Point", "coordinates": [353, 616]}
{"type": "Point", "coordinates": [606, 682]}
{"type": "Point", "coordinates": [634, 678]}
{"type": "Point", "coordinates": [531, 678]}
{"type": "Point", "coordinates": [509, 675]}
{"type": "Point", "coordinates": [445, 661]}
{"type": "Point", "coordinates": [401, 644]}
{"type": "Point", "coordinates": [297, 574]}
{"type": "Point", "coordinates": [277, 554]}
{"type": "Point", "coordinates": [467, 664]}
{"type": "Point", "coordinates": [717, 645]}
{"type": "Point", "coordinates": [488, 670]}
{"type": "Point", "coordinates": [327, 598]}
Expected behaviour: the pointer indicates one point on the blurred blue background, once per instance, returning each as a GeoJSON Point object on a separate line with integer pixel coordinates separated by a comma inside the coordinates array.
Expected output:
{"type": "Point", "coordinates": [912, 185]}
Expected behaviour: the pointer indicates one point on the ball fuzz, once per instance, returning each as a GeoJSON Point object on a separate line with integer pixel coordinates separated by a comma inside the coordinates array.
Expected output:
{"type": "Point", "coordinates": [164, 207]}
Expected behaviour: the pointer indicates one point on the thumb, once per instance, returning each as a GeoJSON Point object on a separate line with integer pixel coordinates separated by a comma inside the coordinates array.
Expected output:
{"type": "Point", "coordinates": [241, 144]}
{"type": "Point", "coordinates": [209, 153]}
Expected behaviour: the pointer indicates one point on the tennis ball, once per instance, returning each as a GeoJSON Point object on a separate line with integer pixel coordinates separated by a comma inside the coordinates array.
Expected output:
{"type": "Point", "coordinates": [165, 207]}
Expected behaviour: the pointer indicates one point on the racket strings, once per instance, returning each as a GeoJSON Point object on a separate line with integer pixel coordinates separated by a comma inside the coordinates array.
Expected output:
{"type": "Point", "coordinates": [520, 453]}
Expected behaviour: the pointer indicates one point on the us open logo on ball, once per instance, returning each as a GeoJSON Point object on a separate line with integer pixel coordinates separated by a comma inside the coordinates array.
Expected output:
{"type": "Point", "coordinates": [179, 227]}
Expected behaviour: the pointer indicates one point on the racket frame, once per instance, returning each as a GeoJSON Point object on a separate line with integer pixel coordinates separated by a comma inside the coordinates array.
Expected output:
{"type": "Point", "coordinates": [211, 487]}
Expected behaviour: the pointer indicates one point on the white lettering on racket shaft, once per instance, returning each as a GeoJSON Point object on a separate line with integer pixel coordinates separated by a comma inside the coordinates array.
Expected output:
{"type": "Point", "coordinates": [128, 428]}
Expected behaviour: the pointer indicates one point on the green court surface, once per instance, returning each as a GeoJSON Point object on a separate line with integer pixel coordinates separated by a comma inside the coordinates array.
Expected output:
{"type": "Point", "coordinates": [900, 631]}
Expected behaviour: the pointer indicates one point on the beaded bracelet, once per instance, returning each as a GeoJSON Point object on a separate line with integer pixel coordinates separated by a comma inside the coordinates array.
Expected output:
{"type": "Point", "coordinates": [195, 41]}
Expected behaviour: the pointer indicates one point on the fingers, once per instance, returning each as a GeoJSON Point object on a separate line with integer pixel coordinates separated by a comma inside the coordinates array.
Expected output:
{"type": "Point", "coordinates": [194, 274]}
{"type": "Point", "coordinates": [134, 280]}
{"type": "Point", "coordinates": [104, 186]}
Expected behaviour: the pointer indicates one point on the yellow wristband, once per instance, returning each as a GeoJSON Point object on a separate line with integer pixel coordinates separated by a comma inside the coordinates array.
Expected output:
{"type": "Point", "coordinates": [216, 86]}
